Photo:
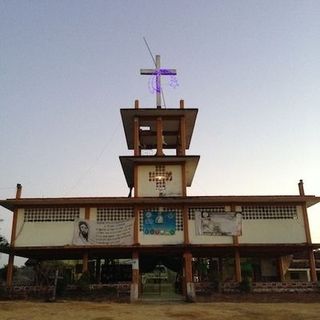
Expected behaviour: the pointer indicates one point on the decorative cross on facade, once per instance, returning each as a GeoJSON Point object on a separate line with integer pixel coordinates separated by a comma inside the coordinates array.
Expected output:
{"type": "Point", "coordinates": [160, 176]}
{"type": "Point", "coordinates": [157, 73]}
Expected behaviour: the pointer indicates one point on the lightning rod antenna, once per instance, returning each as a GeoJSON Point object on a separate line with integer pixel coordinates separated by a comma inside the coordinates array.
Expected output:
{"type": "Point", "coordinates": [146, 42]}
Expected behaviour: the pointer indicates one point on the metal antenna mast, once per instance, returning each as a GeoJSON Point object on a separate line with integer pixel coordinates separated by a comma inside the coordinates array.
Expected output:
{"type": "Point", "coordinates": [154, 61]}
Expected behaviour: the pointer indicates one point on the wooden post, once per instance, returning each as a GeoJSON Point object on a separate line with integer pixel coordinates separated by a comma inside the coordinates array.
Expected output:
{"type": "Point", "coordinates": [237, 265]}
{"type": "Point", "coordinates": [159, 137]}
{"type": "Point", "coordinates": [136, 140]}
{"type": "Point", "coordinates": [136, 104]}
{"type": "Point", "coordinates": [19, 191]}
{"type": "Point", "coordinates": [98, 270]}
{"type": "Point", "coordinates": [136, 226]}
{"type": "Point", "coordinates": [134, 292]}
{"type": "Point", "coordinates": [189, 284]}
{"type": "Point", "coordinates": [281, 270]}
{"type": "Point", "coordinates": [306, 223]}
{"type": "Point", "coordinates": [312, 262]}
{"type": "Point", "coordinates": [237, 262]}
{"type": "Point", "coordinates": [301, 188]}
{"type": "Point", "coordinates": [10, 270]}
{"type": "Point", "coordinates": [183, 142]}
{"type": "Point", "coordinates": [235, 238]}
{"type": "Point", "coordinates": [135, 180]}
{"type": "Point", "coordinates": [183, 179]}
{"type": "Point", "coordinates": [181, 104]}
{"type": "Point", "coordinates": [185, 215]}
{"type": "Point", "coordinates": [13, 239]}
{"type": "Point", "coordinates": [87, 213]}
{"type": "Point", "coordinates": [85, 259]}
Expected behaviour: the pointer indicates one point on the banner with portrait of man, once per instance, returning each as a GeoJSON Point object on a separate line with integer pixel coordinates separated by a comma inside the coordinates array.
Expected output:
{"type": "Point", "coordinates": [218, 223]}
{"type": "Point", "coordinates": [87, 232]}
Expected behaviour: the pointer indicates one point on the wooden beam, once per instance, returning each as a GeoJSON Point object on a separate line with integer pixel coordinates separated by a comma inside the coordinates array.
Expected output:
{"type": "Point", "coordinates": [98, 270]}
{"type": "Point", "coordinates": [312, 262]}
{"type": "Point", "coordinates": [136, 226]}
{"type": "Point", "coordinates": [185, 214]}
{"type": "Point", "coordinates": [183, 180]}
{"type": "Point", "coordinates": [235, 238]}
{"type": "Point", "coordinates": [10, 270]}
{"type": "Point", "coordinates": [301, 188]}
{"type": "Point", "coordinates": [135, 180]}
{"type": "Point", "coordinates": [135, 289]}
{"type": "Point", "coordinates": [188, 266]}
{"type": "Point", "coordinates": [136, 140]}
{"type": "Point", "coordinates": [183, 138]}
{"type": "Point", "coordinates": [19, 191]}
{"type": "Point", "coordinates": [159, 137]}
{"type": "Point", "coordinates": [306, 223]}
{"type": "Point", "coordinates": [281, 270]}
{"type": "Point", "coordinates": [87, 213]}
{"type": "Point", "coordinates": [85, 260]}
{"type": "Point", "coordinates": [15, 216]}
{"type": "Point", "coordinates": [135, 270]}
{"type": "Point", "coordinates": [237, 264]}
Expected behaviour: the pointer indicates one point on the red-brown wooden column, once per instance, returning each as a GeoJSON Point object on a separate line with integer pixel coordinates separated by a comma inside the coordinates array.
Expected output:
{"type": "Point", "coordinates": [237, 261]}
{"type": "Point", "coordinates": [13, 239]}
{"type": "Point", "coordinates": [185, 215]}
{"type": "Point", "coordinates": [281, 269]}
{"type": "Point", "coordinates": [136, 139]}
{"type": "Point", "coordinates": [85, 257]}
{"type": "Point", "coordinates": [312, 262]}
{"type": "Point", "coordinates": [237, 264]}
{"type": "Point", "coordinates": [136, 226]}
{"type": "Point", "coordinates": [135, 180]}
{"type": "Point", "coordinates": [183, 136]}
{"type": "Point", "coordinates": [183, 179]}
{"type": "Point", "coordinates": [159, 137]}
{"type": "Point", "coordinates": [134, 290]}
{"type": "Point", "coordinates": [189, 285]}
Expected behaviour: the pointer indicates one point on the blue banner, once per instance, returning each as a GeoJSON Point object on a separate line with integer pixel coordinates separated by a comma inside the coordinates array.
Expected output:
{"type": "Point", "coordinates": [162, 223]}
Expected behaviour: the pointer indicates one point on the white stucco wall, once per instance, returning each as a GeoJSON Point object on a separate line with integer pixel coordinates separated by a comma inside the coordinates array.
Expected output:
{"type": "Point", "coordinates": [147, 188]}
{"type": "Point", "coordinates": [56, 233]}
{"type": "Point", "coordinates": [260, 231]}
{"type": "Point", "coordinates": [274, 230]}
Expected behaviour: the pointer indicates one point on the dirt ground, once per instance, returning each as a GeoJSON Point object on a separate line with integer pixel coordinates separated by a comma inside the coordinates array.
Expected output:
{"type": "Point", "coordinates": [62, 310]}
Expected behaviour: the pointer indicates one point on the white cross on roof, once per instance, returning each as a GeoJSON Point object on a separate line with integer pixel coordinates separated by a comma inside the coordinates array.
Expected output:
{"type": "Point", "coordinates": [158, 72]}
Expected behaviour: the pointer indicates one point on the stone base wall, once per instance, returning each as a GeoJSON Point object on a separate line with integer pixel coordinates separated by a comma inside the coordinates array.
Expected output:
{"type": "Point", "coordinates": [279, 287]}
{"type": "Point", "coordinates": [25, 292]}
{"type": "Point", "coordinates": [207, 288]}
{"type": "Point", "coordinates": [119, 291]}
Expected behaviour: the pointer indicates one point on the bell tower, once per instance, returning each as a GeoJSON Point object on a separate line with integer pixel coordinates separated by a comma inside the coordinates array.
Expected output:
{"type": "Point", "coordinates": [159, 139]}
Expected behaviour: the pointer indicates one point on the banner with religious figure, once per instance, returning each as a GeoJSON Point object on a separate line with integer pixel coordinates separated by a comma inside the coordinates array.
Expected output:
{"type": "Point", "coordinates": [218, 223]}
{"type": "Point", "coordinates": [161, 223]}
{"type": "Point", "coordinates": [87, 232]}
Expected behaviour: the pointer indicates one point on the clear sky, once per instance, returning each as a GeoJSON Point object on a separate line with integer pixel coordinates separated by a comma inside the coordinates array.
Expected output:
{"type": "Point", "coordinates": [251, 67]}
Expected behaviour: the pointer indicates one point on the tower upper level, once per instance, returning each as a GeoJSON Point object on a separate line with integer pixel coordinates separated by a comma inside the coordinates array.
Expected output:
{"type": "Point", "coordinates": [158, 129]}
{"type": "Point", "coordinates": [157, 173]}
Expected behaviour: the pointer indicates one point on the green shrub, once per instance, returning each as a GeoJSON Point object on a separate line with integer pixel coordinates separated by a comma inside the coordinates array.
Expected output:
{"type": "Point", "coordinates": [245, 286]}
{"type": "Point", "coordinates": [84, 281]}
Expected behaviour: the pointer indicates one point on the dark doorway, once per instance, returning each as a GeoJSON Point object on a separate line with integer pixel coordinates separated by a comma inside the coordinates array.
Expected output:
{"type": "Point", "coordinates": [161, 277]}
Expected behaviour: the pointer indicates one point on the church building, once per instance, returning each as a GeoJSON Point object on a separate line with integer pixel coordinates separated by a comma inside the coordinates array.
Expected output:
{"type": "Point", "coordinates": [198, 244]}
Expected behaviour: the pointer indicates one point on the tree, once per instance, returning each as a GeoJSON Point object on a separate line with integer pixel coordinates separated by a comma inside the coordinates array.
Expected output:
{"type": "Point", "coordinates": [3, 242]}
